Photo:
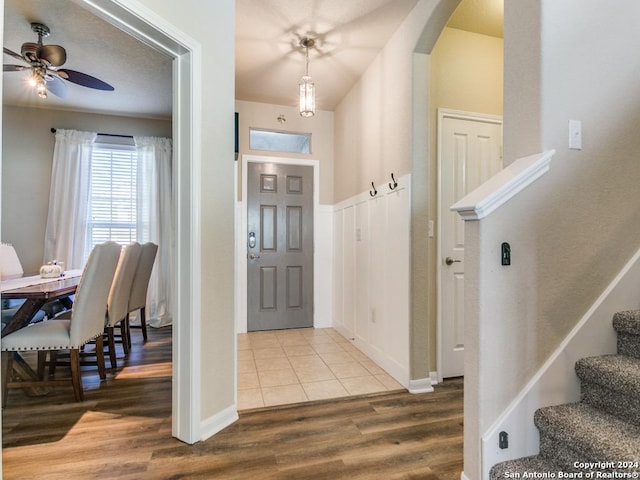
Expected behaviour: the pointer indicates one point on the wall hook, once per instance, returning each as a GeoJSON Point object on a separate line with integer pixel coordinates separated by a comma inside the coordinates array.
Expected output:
{"type": "Point", "coordinates": [393, 183]}
{"type": "Point", "coordinates": [373, 192]}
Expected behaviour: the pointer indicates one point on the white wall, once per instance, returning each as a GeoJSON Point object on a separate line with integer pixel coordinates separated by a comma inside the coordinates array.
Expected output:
{"type": "Point", "coordinates": [27, 157]}
{"type": "Point", "coordinates": [373, 123]}
{"type": "Point", "coordinates": [322, 247]}
{"type": "Point", "coordinates": [211, 25]}
{"type": "Point", "coordinates": [576, 228]}
{"type": "Point", "coordinates": [375, 136]}
{"type": "Point", "coordinates": [371, 277]}
{"type": "Point", "coordinates": [263, 115]}
{"type": "Point", "coordinates": [465, 74]}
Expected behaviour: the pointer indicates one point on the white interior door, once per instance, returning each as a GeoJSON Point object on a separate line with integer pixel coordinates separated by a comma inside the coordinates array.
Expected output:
{"type": "Point", "coordinates": [469, 153]}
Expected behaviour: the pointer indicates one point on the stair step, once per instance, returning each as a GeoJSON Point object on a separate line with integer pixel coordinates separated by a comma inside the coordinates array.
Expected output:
{"type": "Point", "coordinates": [627, 321]}
{"type": "Point", "coordinates": [577, 432]}
{"type": "Point", "coordinates": [527, 467]}
{"type": "Point", "coordinates": [612, 383]}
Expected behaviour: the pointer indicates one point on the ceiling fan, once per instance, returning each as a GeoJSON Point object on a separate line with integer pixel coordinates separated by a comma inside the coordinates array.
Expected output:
{"type": "Point", "coordinates": [44, 62]}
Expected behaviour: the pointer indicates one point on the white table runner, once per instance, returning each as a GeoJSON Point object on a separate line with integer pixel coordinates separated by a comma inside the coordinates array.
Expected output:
{"type": "Point", "coordinates": [22, 282]}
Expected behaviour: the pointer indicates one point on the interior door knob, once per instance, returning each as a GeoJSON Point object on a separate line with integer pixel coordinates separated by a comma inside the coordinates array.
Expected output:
{"type": "Point", "coordinates": [253, 256]}
{"type": "Point", "coordinates": [451, 261]}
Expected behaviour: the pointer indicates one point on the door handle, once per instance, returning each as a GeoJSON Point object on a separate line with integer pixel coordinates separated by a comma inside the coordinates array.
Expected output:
{"type": "Point", "coordinates": [253, 256]}
{"type": "Point", "coordinates": [451, 261]}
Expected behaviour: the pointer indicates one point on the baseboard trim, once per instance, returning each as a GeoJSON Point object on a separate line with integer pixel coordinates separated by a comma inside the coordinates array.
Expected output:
{"type": "Point", "coordinates": [434, 378]}
{"type": "Point", "coordinates": [423, 385]}
{"type": "Point", "coordinates": [218, 422]}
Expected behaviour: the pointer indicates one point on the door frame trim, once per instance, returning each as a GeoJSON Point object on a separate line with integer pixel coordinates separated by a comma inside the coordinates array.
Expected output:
{"type": "Point", "coordinates": [149, 27]}
{"type": "Point", "coordinates": [241, 230]}
{"type": "Point", "coordinates": [444, 113]}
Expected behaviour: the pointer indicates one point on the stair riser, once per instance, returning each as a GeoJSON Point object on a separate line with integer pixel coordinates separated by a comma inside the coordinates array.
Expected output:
{"type": "Point", "coordinates": [559, 453]}
{"type": "Point", "coordinates": [625, 407]}
{"type": "Point", "coordinates": [629, 344]}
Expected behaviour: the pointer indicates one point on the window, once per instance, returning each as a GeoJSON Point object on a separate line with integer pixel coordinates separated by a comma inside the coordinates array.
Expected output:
{"type": "Point", "coordinates": [273, 141]}
{"type": "Point", "coordinates": [112, 195]}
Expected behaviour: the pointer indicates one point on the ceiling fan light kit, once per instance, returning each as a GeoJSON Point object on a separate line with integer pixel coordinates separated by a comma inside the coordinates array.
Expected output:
{"type": "Point", "coordinates": [307, 87]}
{"type": "Point", "coordinates": [43, 62]}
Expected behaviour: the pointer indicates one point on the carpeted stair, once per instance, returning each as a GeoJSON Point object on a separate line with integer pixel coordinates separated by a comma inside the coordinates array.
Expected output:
{"type": "Point", "coordinates": [602, 429]}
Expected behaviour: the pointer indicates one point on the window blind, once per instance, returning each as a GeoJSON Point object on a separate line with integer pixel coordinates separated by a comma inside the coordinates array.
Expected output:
{"type": "Point", "coordinates": [112, 196]}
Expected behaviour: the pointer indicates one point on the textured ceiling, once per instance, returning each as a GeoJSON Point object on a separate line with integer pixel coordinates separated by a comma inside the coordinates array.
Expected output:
{"type": "Point", "coordinates": [141, 75]}
{"type": "Point", "coordinates": [348, 34]}
{"type": "Point", "coordinates": [269, 59]}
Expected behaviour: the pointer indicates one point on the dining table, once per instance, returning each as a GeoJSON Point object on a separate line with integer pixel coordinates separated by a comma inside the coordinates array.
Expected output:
{"type": "Point", "coordinates": [36, 292]}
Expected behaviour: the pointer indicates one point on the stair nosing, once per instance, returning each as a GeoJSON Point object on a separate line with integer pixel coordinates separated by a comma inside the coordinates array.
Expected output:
{"type": "Point", "coordinates": [620, 373]}
{"type": "Point", "coordinates": [561, 422]}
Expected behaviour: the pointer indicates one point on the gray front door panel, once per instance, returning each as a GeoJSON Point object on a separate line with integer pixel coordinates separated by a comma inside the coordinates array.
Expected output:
{"type": "Point", "coordinates": [279, 246]}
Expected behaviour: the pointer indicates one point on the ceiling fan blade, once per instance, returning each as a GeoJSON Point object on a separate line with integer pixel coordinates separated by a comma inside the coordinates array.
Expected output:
{"type": "Point", "coordinates": [29, 51]}
{"type": "Point", "coordinates": [56, 86]}
{"type": "Point", "coordinates": [13, 68]}
{"type": "Point", "coordinates": [53, 55]}
{"type": "Point", "coordinates": [13, 54]}
{"type": "Point", "coordinates": [84, 79]}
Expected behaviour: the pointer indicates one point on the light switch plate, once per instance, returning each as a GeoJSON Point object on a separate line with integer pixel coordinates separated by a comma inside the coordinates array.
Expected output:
{"type": "Point", "coordinates": [575, 134]}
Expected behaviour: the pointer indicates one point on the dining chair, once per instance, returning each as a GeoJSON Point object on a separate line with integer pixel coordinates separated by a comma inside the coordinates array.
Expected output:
{"type": "Point", "coordinates": [86, 322]}
{"type": "Point", "coordinates": [140, 286]}
{"type": "Point", "coordinates": [11, 267]}
{"type": "Point", "coordinates": [118, 300]}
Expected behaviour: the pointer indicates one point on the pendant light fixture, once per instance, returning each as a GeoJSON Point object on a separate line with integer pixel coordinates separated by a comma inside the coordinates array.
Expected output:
{"type": "Point", "coordinates": [307, 88]}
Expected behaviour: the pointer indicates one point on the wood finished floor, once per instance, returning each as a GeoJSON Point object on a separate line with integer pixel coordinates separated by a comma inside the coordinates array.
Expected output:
{"type": "Point", "coordinates": [123, 431]}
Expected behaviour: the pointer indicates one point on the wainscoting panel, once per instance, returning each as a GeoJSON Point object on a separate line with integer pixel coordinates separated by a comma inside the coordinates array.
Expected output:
{"type": "Point", "coordinates": [372, 275]}
{"type": "Point", "coordinates": [349, 269]}
{"type": "Point", "coordinates": [362, 272]}
{"type": "Point", "coordinates": [338, 269]}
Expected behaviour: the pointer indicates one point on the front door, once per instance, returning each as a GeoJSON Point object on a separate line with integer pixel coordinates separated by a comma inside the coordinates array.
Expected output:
{"type": "Point", "coordinates": [470, 154]}
{"type": "Point", "coordinates": [279, 246]}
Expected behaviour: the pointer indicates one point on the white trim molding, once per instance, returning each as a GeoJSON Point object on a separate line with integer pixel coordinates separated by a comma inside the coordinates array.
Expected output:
{"type": "Point", "coordinates": [444, 113]}
{"type": "Point", "coordinates": [504, 185]}
{"type": "Point", "coordinates": [147, 26]}
{"type": "Point", "coordinates": [423, 385]}
{"type": "Point", "coordinates": [320, 226]}
{"type": "Point", "coordinates": [371, 275]}
{"type": "Point", "coordinates": [218, 422]}
{"type": "Point", "coordinates": [556, 382]}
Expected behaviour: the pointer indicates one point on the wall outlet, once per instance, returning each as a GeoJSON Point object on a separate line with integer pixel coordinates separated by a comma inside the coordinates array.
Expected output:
{"type": "Point", "coordinates": [503, 440]}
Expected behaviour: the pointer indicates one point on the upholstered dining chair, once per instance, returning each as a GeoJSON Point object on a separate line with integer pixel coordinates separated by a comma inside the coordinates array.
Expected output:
{"type": "Point", "coordinates": [11, 267]}
{"type": "Point", "coordinates": [118, 301]}
{"type": "Point", "coordinates": [138, 297]}
{"type": "Point", "coordinates": [86, 322]}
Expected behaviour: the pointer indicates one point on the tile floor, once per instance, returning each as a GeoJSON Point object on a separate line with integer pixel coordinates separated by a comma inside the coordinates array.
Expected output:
{"type": "Point", "coordinates": [291, 366]}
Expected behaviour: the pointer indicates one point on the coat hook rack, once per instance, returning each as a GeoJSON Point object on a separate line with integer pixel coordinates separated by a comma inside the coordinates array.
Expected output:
{"type": "Point", "coordinates": [373, 192]}
{"type": "Point", "coordinates": [393, 183]}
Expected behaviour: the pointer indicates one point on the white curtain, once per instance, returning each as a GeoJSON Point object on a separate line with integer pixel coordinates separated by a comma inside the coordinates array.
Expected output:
{"type": "Point", "coordinates": [67, 218]}
{"type": "Point", "coordinates": [155, 222]}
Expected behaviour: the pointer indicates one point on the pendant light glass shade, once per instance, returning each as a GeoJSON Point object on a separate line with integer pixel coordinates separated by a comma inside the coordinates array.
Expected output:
{"type": "Point", "coordinates": [307, 87]}
{"type": "Point", "coordinates": [307, 97]}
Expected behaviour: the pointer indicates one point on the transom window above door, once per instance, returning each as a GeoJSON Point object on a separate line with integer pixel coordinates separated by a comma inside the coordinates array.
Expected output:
{"type": "Point", "coordinates": [278, 141]}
